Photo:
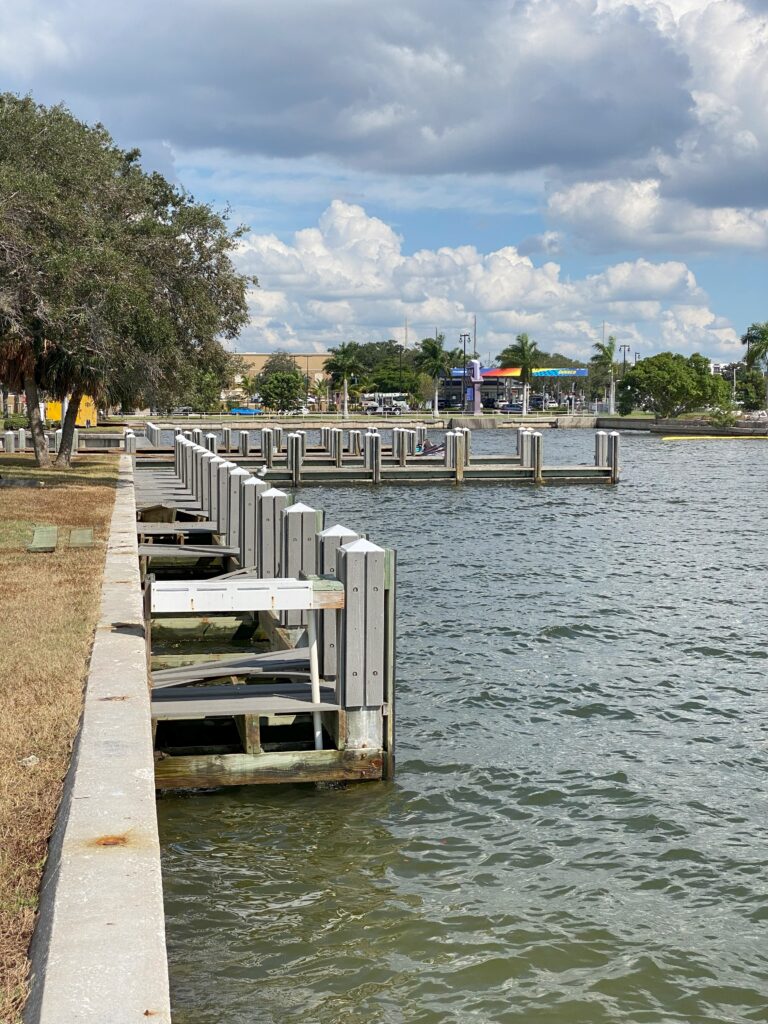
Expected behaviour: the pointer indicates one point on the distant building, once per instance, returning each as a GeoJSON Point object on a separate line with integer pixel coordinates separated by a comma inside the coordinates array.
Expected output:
{"type": "Point", "coordinates": [309, 364]}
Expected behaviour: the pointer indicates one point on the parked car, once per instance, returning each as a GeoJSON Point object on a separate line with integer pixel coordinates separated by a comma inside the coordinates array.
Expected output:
{"type": "Point", "coordinates": [512, 408]}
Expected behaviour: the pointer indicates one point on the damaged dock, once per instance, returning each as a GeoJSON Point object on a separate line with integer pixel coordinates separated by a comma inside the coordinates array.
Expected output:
{"type": "Point", "coordinates": [270, 639]}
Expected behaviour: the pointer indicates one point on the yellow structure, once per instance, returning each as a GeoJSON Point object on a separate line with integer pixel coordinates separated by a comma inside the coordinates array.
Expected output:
{"type": "Point", "coordinates": [87, 414]}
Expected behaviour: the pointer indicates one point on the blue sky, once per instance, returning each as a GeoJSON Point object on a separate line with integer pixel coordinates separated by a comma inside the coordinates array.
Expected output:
{"type": "Point", "coordinates": [543, 165]}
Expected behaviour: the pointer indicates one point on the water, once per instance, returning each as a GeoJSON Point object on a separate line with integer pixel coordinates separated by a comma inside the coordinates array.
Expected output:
{"type": "Point", "coordinates": [578, 830]}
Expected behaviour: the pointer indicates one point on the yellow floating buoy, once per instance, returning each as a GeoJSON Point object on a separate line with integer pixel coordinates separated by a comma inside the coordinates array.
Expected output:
{"type": "Point", "coordinates": [716, 437]}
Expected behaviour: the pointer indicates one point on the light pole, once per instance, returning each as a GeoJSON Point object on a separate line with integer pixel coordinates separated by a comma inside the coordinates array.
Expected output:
{"type": "Point", "coordinates": [624, 349]}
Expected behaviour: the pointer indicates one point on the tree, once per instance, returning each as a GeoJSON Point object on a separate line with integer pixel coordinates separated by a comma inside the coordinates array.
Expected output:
{"type": "Point", "coordinates": [523, 353]}
{"type": "Point", "coordinates": [278, 362]}
{"type": "Point", "coordinates": [344, 362]}
{"type": "Point", "coordinates": [433, 360]}
{"type": "Point", "coordinates": [112, 281]}
{"type": "Point", "coordinates": [668, 384]}
{"type": "Point", "coordinates": [756, 340]}
{"type": "Point", "coordinates": [750, 388]}
{"type": "Point", "coordinates": [282, 391]}
{"type": "Point", "coordinates": [602, 365]}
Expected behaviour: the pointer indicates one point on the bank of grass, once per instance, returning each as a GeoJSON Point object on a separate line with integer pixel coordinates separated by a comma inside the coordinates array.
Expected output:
{"type": "Point", "coordinates": [48, 610]}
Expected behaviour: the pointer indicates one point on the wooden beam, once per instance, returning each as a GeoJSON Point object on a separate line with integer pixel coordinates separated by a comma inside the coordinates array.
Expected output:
{"type": "Point", "coordinates": [194, 771]}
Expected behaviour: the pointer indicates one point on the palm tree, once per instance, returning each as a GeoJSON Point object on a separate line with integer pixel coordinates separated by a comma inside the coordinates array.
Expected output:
{"type": "Point", "coordinates": [524, 353]}
{"type": "Point", "coordinates": [433, 360]}
{"type": "Point", "coordinates": [602, 362]}
{"type": "Point", "coordinates": [343, 363]}
{"type": "Point", "coordinates": [756, 340]}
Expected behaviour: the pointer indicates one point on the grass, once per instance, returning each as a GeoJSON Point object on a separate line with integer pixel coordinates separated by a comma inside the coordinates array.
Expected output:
{"type": "Point", "coordinates": [48, 609]}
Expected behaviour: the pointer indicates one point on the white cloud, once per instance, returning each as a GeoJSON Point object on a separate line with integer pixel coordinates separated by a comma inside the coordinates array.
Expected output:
{"type": "Point", "coordinates": [628, 213]}
{"type": "Point", "coordinates": [349, 278]}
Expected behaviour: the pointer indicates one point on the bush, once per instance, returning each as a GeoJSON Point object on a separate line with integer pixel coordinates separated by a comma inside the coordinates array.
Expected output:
{"type": "Point", "coordinates": [14, 422]}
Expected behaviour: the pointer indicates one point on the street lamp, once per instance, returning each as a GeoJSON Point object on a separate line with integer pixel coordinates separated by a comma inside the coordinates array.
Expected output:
{"type": "Point", "coordinates": [624, 349]}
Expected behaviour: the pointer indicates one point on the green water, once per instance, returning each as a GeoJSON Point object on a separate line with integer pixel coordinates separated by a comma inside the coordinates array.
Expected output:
{"type": "Point", "coordinates": [578, 830]}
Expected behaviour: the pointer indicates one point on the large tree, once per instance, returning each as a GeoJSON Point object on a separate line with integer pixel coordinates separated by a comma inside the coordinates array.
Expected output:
{"type": "Point", "coordinates": [433, 360]}
{"type": "Point", "coordinates": [523, 353]}
{"type": "Point", "coordinates": [344, 362]}
{"type": "Point", "coordinates": [602, 366]}
{"type": "Point", "coordinates": [112, 281]}
{"type": "Point", "coordinates": [756, 340]}
{"type": "Point", "coordinates": [670, 384]}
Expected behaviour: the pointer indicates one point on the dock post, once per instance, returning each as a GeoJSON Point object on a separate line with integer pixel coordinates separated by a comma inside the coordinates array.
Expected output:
{"type": "Point", "coordinates": [237, 478]}
{"type": "Point", "coordinates": [299, 526]}
{"type": "Point", "coordinates": [197, 435]}
{"type": "Point", "coordinates": [213, 488]}
{"type": "Point", "coordinates": [421, 433]}
{"type": "Point", "coordinates": [355, 438]}
{"type": "Point", "coordinates": [197, 472]}
{"type": "Point", "coordinates": [130, 443]}
{"type": "Point", "coordinates": [277, 436]}
{"type": "Point", "coordinates": [450, 449]}
{"type": "Point", "coordinates": [373, 455]}
{"type": "Point", "coordinates": [328, 543]}
{"type": "Point", "coordinates": [361, 638]}
{"type": "Point", "coordinates": [250, 495]}
{"type": "Point", "coordinates": [9, 442]}
{"type": "Point", "coordinates": [403, 446]}
{"type": "Point", "coordinates": [293, 457]}
{"type": "Point", "coordinates": [411, 438]}
{"type": "Point", "coordinates": [537, 443]}
{"type": "Point", "coordinates": [205, 482]}
{"type": "Point", "coordinates": [303, 435]}
{"type": "Point", "coordinates": [243, 443]}
{"type": "Point", "coordinates": [325, 438]}
{"type": "Point", "coordinates": [272, 503]}
{"type": "Point", "coordinates": [601, 448]}
{"type": "Point", "coordinates": [226, 439]}
{"type": "Point", "coordinates": [179, 446]}
{"type": "Point", "coordinates": [337, 446]}
{"type": "Point", "coordinates": [177, 431]}
{"type": "Point", "coordinates": [189, 452]}
{"type": "Point", "coordinates": [460, 442]}
{"type": "Point", "coordinates": [526, 448]}
{"type": "Point", "coordinates": [210, 443]}
{"type": "Point", "coordinates": [268, 446]}
{"type": "Point", "coordinates": [467, 445]}
{"type": "Point", "coordinates": [222, 510]}
{"type": "Point", "coordinates": [613, 455]}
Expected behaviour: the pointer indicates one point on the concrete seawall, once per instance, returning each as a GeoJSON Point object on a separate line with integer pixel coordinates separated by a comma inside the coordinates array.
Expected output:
{"type": "Point", "coordinates": [98, 953]}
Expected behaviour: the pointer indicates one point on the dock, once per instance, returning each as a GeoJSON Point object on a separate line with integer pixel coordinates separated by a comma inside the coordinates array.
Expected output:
{"type": "Point", "coordinates": [356, 457]}
{"type": "Point", "coordinates": [270, 638]}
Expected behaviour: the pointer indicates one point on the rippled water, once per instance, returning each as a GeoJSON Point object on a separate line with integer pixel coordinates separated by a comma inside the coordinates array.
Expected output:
{"type": "Point", "coordinates": [578, 829]}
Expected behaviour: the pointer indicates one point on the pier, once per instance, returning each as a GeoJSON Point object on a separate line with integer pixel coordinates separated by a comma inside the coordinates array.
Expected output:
{"type": "Point", "coordinates": [270, 638]}
{"type": "Point", "coordinates": [398, 457]}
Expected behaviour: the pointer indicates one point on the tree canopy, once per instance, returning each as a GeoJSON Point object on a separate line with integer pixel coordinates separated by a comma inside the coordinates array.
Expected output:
{"type": "Point", "coordinates": [112, 280]}
{"type": "Point", "coordinates": [670, 384]}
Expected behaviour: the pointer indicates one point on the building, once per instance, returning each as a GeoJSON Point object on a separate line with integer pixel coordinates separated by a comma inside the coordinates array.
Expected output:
{"type": "Point", "coordinates": [309, 364]}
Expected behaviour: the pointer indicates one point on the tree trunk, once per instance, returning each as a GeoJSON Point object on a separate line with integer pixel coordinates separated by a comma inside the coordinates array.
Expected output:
{"type": "Point", "coordinates": [5, 401]}
{"type": "Point", "coordinates": [64, 458]}
{"type": "Point", "coordinates": [345, 413]}
{"type": "Point", "coordinates": [434, 400]}
{"type": "Point", "coordinates": [39, 440]}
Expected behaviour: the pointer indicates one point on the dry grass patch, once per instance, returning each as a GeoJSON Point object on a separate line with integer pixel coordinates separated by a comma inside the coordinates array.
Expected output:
{"type": "Point", "coordinates": [48, 610]}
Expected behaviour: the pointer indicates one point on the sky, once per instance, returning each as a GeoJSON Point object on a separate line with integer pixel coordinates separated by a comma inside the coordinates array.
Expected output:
{"type": "Point", "coordinates": [567, 168]}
